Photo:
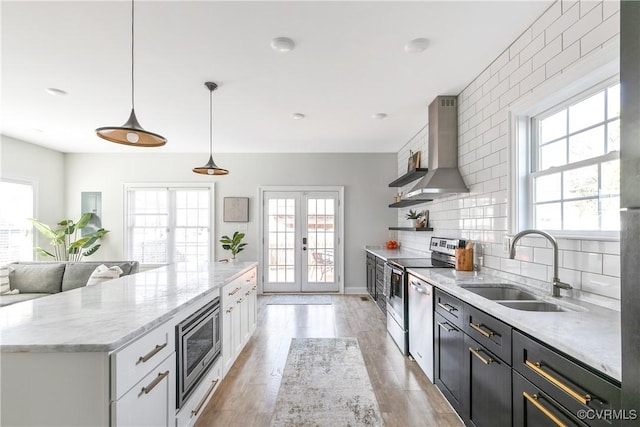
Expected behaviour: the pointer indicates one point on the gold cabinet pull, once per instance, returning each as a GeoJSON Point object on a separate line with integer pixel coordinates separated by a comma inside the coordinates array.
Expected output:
{"type": "Point", "coordinates": [235, 291]}
{"type": "Point", "coordinates": [229, 310]}
{"type": "Point", "coordinates": [204, 399]}
{"type": "Point", "coordinates": [488, 333]}
{"type": "Point", "coordinates": [476, 353]}
{"type": "Point", "coordinates": [447, 307]}
{"type": "Point", "coordinates": [537, 368]}
{"type": "Point", "coordinates": [154, 383]}
{"type": "Point", "coordinates": [446, 327]}
{"type": "Point", "coordinates": [240, 301]}
{"type": "Point", "coordinates": [152, 353]}
{"type": "Point", "coordinates": [534, 401]}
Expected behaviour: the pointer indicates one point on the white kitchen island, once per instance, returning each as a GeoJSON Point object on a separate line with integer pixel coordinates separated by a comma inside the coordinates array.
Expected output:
{"type": "Point", "coordinates": [74, 358]}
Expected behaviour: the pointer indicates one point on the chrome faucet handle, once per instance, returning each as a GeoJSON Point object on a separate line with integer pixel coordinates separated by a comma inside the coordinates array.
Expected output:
{"type": "Point", "coordinates": [560, 284]}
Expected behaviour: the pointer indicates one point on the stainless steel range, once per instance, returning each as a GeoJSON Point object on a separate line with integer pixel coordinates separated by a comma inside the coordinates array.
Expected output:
{"type": "Point", "coordinates": [395, 285]}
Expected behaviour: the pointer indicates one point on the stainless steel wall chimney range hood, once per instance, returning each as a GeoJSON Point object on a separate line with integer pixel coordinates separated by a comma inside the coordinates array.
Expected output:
{"type": "Point", "coordinates": [443, 177]}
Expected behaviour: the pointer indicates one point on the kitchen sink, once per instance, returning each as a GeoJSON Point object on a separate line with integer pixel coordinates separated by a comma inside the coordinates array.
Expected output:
{"type": "Point", "coordinates": [501, 293]}
{"type": "Point", "coordinates": [534, 306]}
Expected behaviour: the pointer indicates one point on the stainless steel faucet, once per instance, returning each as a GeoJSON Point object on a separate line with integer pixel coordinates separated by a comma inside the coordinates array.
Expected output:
{"type": "Point", "coordinates": [557, 284]}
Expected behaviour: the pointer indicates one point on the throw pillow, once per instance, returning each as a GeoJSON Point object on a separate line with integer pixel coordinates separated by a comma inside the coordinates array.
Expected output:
{"type": "Point", "coordinates": [102, 273]}
{"type": "Point", "coordinates": [38, 277]}
{"type": "Point", "coordinates": [5, 286]}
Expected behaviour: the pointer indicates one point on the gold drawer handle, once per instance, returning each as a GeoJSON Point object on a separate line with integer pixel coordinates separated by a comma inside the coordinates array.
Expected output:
{"type": "Point", "coordinates": [235, 291]}
{"type": "Point", "coordinates": [240, 301]}
{"type": "Point", "coordinates": [534, 401]}
{"type": "Point", "coordinates": [476, 353]}
{"type": "Point", "coordinates": [446, 327]}
{"type": "Point", "coordinates": [152, 353]}
{"type": "Point", "coordinates": [447, 307]}
{"type": "Point", "coordinates": [154, 383]}
{"type": "Point", "coordinates": [204, 399]}
{"type": "Point", "coordinates": [488, 333]}
{"type": "Point", "coordinates": [537, 368]}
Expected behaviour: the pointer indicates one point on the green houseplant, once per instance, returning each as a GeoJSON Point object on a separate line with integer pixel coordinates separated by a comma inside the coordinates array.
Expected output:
{"type": "Point", "coordinates": [413, 217]}
{"type": "Point", "coordinates": [64, 239]}
{"type": "Point", "coordinates": [233, 244]}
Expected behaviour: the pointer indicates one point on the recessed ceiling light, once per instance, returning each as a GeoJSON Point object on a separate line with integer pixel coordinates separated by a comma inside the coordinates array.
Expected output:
{"type": "Point", "coordinates": [297, 116]}
{"type": "Point", "coordinates": [55, 91]}
{"type": "Point", "coordinates": [282, 44]}
{"type": "Point", "coordinates": [379, 116]}
{"type": "Point", "coordinates": [416, 45]}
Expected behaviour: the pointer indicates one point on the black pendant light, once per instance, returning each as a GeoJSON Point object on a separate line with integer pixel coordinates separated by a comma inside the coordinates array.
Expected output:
{"type": "Point", "coordinates": [210, 168]}
{"type": "Point", "coordinates": [131, 133]}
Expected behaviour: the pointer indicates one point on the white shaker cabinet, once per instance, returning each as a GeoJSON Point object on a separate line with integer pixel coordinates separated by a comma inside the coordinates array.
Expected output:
{"type": "Point", "coordinates": [239, 307]}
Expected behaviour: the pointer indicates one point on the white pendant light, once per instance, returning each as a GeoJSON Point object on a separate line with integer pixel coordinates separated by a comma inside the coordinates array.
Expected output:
{"type": "Point", "coordinates": [131, 133]}
{"type": "Point", "coordinates": [210, 168]}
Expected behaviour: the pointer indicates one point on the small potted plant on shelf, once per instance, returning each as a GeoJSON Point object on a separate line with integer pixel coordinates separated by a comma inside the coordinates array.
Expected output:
{"type": "Point", "coordinates": [233, 244]}
{"type": "Point", "coordinates": [413, 217]}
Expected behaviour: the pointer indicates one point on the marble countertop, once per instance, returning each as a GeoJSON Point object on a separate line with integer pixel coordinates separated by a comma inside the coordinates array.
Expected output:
{"type": "Point", "coordinates": [103, 317]}
{"type": "Point", "coordinates": [384, 253]}
{"type": "Point", "coordinates": [590, 333]}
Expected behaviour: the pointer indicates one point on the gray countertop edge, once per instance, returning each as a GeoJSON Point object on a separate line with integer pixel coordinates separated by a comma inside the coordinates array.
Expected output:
{"type": "Point", "coordinates": [592, 336]}
{"type": "Point", "coordinates": [73, 347]}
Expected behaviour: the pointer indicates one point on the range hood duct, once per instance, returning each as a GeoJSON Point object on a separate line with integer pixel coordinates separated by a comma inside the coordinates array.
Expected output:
{"type": "Point", "coordinates": [443, 177]}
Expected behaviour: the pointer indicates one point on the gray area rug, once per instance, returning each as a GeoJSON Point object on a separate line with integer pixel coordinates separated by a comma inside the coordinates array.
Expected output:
{"type": "Point", "coordinates": [325, 384]}
{"type": "Point", "coordinates": [299, 300]}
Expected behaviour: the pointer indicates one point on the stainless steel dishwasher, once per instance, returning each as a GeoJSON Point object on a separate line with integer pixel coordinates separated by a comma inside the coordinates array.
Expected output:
{"type": "Point", "coordinates": [421, 324]}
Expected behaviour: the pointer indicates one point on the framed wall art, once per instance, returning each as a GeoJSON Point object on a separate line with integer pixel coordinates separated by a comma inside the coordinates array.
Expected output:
{"type": "Point", "coordinates": [236, 209]}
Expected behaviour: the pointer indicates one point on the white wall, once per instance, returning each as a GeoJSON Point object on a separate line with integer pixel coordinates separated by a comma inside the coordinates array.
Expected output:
{"type": "Point", "coordinates": [364, 176]}
{"type": "Point", "coordinates": [22, 161]}
{"type": "Point", "coordinates": [564, 35]}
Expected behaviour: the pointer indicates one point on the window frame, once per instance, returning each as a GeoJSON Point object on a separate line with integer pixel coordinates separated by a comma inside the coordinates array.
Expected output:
{"type": "Point", "coordinates": [596, 68]}
{"type": "Point", "coordinates": [171, 224]}
{"type": "Point", "coordinates": [534, 151]}
{"type": "Point", "coordinates": [34, 206]}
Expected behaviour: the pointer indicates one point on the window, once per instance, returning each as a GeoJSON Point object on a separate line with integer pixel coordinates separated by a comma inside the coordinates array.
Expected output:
{"type": "Point", "coordinates": [16, 232]}
{"type": "Point", "coordinates": [574, 184]}
{"type": "Point", "coordinates": [168, 225]}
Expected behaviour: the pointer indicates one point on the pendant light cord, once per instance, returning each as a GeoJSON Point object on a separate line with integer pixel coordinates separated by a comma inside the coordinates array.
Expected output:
{"type": "Point", "coordinates": [132, 47]}
{"type": "Point", "coordinates": [211, 122]}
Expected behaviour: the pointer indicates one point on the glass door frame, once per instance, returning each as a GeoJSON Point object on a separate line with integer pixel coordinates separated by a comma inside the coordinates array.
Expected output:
{"type": "Point", "coordinates": [339, 230]}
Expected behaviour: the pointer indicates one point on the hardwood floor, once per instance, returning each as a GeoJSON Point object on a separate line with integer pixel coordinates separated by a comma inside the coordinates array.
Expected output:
{"type": "Point", "coordinates": [247, 395]}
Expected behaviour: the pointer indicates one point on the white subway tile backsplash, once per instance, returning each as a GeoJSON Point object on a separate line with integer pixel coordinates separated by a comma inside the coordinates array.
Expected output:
{"type": "Point", "coordinates": [551, 49]}
{"type": "Point", "coordinates": [561, 61]}
{"type": "Point", "coordinates": [603, 32]}
{"type": "Point", "coordinates": [583, 261]}
{"type": "Point", "coordinates": [566, 31]}
{"type": "Point", "coordinates": [535, 271]}
{"type": "Point", "coordinates": [560, 25]}
{"type": "Point", "coordinates": [602, 285]}
{"type": "Point", "coordinates": [587, 23]}
{"type": "Point", "coordinates": [611, 265]}
{"type": "Point", "coordinates": [543, 256]}
{"type": "Point", "coordinates": [587, 5]}
{"type": "Point", "coordinates": [548, 17]}
{"type": "Point", "coordinates": [609, 7]}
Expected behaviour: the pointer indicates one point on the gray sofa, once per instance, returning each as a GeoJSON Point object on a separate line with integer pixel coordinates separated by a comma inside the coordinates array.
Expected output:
{"type": "Point", "coordinates": [39, 279]}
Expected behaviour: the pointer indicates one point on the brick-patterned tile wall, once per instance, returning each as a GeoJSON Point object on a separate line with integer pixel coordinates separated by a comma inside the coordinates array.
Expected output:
{"type": "Point", "coordinates": [565, 33]}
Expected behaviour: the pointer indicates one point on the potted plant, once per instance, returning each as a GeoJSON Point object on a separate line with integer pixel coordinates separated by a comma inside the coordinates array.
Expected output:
{"type": "Point", "coordinates": [63, 239]}
{"type": "Point", "coordinates": [413, 217]}
{"type": "Point", "coordinates": [233, 244]}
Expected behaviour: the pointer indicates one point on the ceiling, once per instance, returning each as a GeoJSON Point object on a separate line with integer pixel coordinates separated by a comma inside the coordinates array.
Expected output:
{"type": "Point", "coordinates": [348, 64]}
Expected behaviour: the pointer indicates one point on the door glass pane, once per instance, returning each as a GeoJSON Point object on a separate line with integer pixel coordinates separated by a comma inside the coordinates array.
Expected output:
{"type": "Point", "coordinates": [321, 237]}
{"type": "Point", "coordinates": [281, 235]}
{"type": "Point", "coordinates": [16, 236]}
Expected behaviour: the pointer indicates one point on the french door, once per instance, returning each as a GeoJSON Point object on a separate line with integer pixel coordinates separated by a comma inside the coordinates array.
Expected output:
{"type": "Point", "coordinates": [301, 241]}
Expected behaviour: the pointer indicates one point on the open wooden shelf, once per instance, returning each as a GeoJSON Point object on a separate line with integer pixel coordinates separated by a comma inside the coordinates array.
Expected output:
{"type": "Point", "coordinates": [411, 228]}
{"type": "Point", "coordinates": [408, 177]}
